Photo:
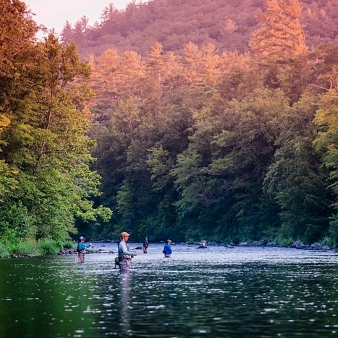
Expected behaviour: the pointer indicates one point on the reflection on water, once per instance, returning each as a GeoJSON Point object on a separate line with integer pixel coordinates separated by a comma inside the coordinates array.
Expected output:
{"type": "Point", "coordinates": [125, 302]}
{"type": "Point", "coordinates": [215, 292]}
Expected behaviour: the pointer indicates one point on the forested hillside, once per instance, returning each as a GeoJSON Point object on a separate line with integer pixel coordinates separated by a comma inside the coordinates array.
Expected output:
{"type": "Point", "coordinates": [228, 146]}
{"type": "Point", "coordinates": [201, 139]}
{"type": "Point", "coordinates": [227, 24]}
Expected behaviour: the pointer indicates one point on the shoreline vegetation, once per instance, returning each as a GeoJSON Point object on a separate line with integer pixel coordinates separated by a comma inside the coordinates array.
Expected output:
{"type": "Point", "coordinates": [42, 247]}
{"type": "Point", "coordinates": [45, 247]}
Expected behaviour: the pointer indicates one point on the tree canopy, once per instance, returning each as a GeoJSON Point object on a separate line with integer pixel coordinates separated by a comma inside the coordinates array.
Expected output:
{"type": "Point", "coordinates": [226, 24]}
{"type": "Point", "coordinates": [226, 146]}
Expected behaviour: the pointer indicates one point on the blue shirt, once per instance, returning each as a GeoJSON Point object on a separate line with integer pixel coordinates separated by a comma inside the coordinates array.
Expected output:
{"type": "Point", "coordinates": [167, 249]}
{"type": "Point", "coordinates": [81, 246]}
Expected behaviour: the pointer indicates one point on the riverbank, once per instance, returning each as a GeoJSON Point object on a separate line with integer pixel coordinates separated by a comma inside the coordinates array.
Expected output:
{"type": "Point", "coordinates": [32, 247]}
{"type": "Point", "coordinates": [44, 247]}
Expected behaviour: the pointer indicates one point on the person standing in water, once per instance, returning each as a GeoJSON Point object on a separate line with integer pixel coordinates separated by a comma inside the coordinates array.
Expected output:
{"type": "Point", "coordinates": [125, 256]}
{"type": "Point", "coordinates": [145, 245]}
{"type": "Point", "coordinates": [167, 249]}
{"type": "Point", "coordinates": [81, 250]}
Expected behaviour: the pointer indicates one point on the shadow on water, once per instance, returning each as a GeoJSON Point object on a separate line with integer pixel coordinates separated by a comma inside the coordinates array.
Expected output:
{"type": "Point", "coordinates": [216, 292]}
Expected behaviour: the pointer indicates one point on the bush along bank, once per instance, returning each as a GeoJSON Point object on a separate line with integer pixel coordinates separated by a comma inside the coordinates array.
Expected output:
{"type": "Point", "coordinates": [43, 247]}
{"type": "Point", "coordinates": [32, 247]}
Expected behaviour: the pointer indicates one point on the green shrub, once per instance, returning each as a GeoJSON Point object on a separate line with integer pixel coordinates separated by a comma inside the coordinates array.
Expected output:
{"type": "Point", "coordinates": [49, 246]}
{"type": "Point", "coordinates": [16, 222]}
{"type": "Point", "coordinates": [284, 241]}
{"type": "Point", "coordinates": [68, 244]}
{"type": "Point", "coordinates": [4, 253]}
{"type": "Point", "coordinates": [333, 231]}
{"type": "Point", "coordinates": [44, 246]}
{"type": "Point", "coordinates": [25, 247]}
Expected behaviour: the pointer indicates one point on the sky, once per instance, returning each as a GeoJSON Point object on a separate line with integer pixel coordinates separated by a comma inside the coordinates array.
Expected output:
{"type": "Point", "coordinates": [53, 14]}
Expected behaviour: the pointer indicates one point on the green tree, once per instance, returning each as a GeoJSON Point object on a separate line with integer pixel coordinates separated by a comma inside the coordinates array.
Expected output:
{"type": "Point", "coordinates": [46, 143]}
{"type": "Point", "coordinates": [327, 144]}
{"type": "Point", "coordinates": [241, 153]}
{"type": "Point", "coordinates": [239, 76]}
{"type": "Point", "coordinates": [296, 179]}
{"type": "Point", "coordinates": [16, 50]}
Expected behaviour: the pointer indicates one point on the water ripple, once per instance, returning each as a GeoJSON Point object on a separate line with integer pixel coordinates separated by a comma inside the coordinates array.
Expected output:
{"type": "Point", "coordinates": [215, 292]}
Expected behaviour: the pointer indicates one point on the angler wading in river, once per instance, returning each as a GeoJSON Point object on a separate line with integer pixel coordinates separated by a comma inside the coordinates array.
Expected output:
{"type": "Point", "coordinates": [81, 250]}
{"type": "Point", "coordinates": [125, 256]}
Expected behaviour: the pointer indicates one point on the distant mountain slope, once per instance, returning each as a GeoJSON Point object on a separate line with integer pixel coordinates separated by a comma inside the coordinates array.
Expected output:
{"type": "Point", "coordinates": [227, 24]}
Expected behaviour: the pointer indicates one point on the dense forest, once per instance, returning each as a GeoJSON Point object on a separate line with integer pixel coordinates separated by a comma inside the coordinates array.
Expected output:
{"type": "Point", "coordinates": [196, 140]}
{"type": "Point", "coordinates": [227, 24]}
{"type": "Point", "coordinates": [227, 146]}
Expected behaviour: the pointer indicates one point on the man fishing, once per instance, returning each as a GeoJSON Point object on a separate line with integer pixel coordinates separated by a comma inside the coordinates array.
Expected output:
{"type": "Point", "coordinates": [145, 245]}
{"type": "Point", "coordinates": [81, 250]}
{"type": "Point", "coordinates": [125, 256]}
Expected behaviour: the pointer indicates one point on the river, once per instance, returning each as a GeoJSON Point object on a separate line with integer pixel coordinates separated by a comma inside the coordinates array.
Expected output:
{"type": "Point", "coordinates": [213, 292]}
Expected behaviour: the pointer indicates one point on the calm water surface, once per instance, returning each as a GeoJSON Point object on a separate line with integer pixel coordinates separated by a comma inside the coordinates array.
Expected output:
{"type": "Point", "coordinates": [214, 292]}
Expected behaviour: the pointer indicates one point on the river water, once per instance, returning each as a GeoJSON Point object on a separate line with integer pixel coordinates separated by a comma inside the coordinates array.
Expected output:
{"type": "Point", "coordinates": [213, 292]}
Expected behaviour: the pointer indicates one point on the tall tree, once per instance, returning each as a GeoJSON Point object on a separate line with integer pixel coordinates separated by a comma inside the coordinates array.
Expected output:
{"type": "Point", "coordinates": [327, 144]}
{"type": "Point", "coordinates": [192, 59]}
{"type": "Point", "coordinates": [46, 143]}
{"type": "Point", "coordinates": [16, 50]}
{"type": "Point", "coordinates": [296, 179]}
{"type": "Point", "coordinates": [67, 33]}
{"type": "Point", "coordinates": [210, 65]}
{"type": "Point", "coordinates": [281, 37]}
